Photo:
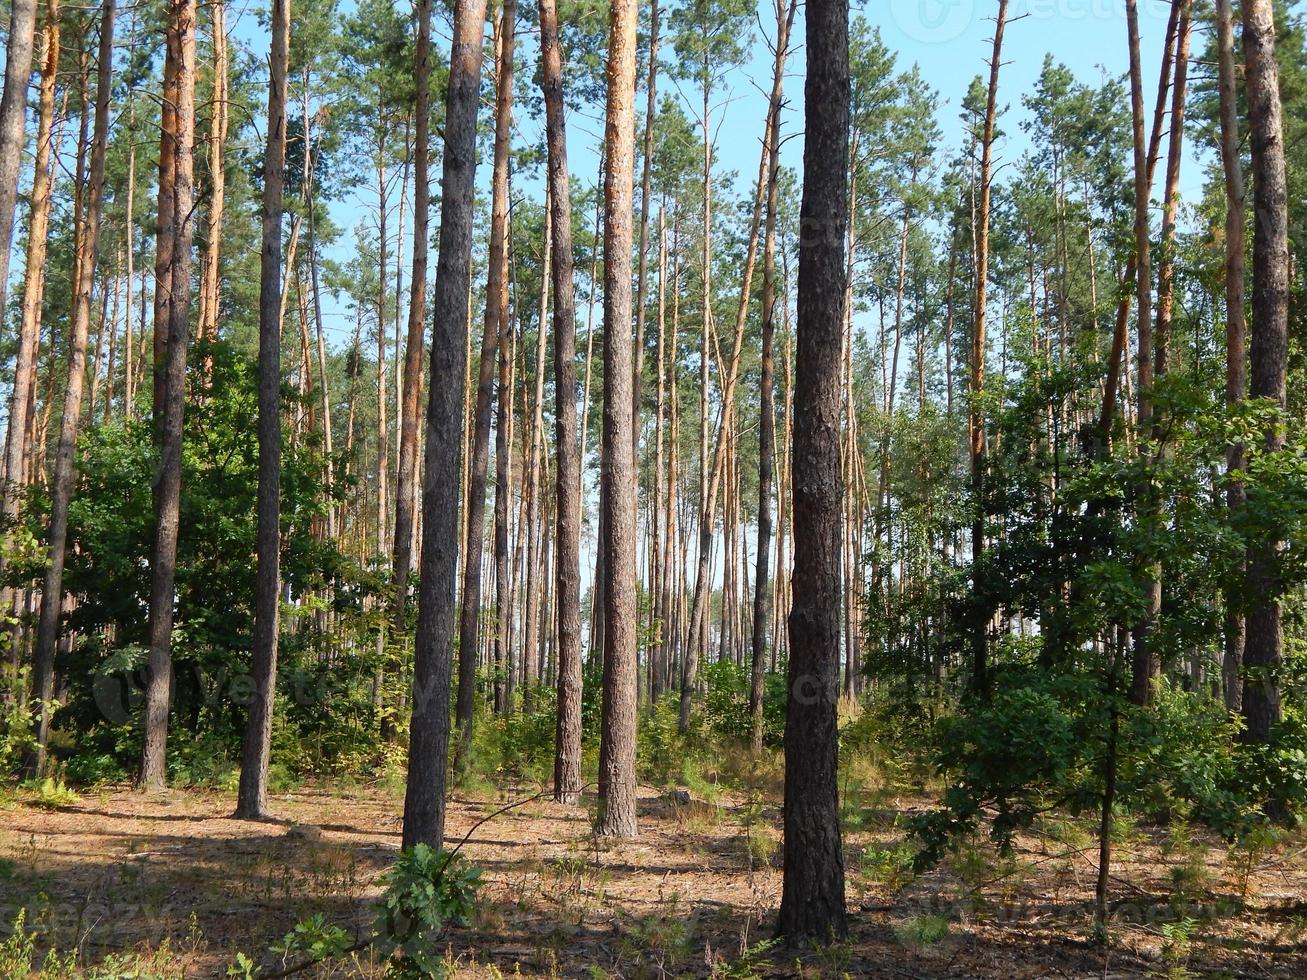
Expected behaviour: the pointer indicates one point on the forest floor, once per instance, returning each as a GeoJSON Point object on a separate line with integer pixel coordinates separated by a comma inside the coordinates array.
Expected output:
{"type": "Point", "coordinates": [179, 887]}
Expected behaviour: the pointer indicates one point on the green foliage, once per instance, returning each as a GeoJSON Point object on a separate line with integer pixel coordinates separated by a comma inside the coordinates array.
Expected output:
{"type": "Point", "coordinates": [425, 891]}
{"type": "Point", "coordinates": [313, 938]}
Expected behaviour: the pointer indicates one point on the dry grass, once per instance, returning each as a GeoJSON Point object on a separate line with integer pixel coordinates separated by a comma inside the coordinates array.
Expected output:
{"type": "Point", "coordinates": [177, 881]}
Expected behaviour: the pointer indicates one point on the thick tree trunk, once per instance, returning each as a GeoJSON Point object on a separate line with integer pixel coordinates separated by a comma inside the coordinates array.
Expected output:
{"type": "Point", "coordinates": [252, 795]}
{"type": "Point", "coordinates": [172, 306]}
{"type": "Point", "coordinates": [1264, 650]}
{"type": "Point", "coordinates": [61, 491]}
{"type": "Point", "coordinates": [424, 798]}
{"type": "Point", "coordinates": [470, 613]}
{"type": "Point", "coordinates": [617, 788]}
{"type": "Point", "coordinates": [812, 900]}
{"type": "Point", "coordinates": [1235, 324]}
{"type": "Point", "coordinates": [406, 476]}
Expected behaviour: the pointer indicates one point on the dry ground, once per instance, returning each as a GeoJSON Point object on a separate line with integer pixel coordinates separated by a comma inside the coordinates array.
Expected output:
{"type": "Point", "coordinates": [178, 882]}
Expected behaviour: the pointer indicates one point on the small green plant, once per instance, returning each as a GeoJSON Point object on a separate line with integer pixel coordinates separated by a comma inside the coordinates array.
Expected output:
{"type": "Point", "coordinates": [1177, 941]}
{"type": "Point", "coordinates": [426, 890]}
{"type": "Point", "coordinates": [53, 794]}
{"type": "Point", "coordinates": [891, 867]}
{"type": "Point", "coordinates": [18, 951]}
{"type": "Point", "coordinates": [314, 938]}
{"type": "Point", "coordinates": [922, 931]}
{"type": "Point", "coordinates": [243, 968]}
{"type": "Point", "coordinates": [749, 964]}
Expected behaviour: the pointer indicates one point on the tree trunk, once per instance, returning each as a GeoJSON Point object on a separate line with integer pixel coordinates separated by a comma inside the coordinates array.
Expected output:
{"type": "Point", "coordinates": [767, 422]}
{"type": "Point", "coordinates": [424, 797]}
{"type": "Point", "coordinates": [1264, 650]}
{"type": "Point", "coordinates": [470, 614]}
{"type": "Point", "coordinates": [976, 428]}
{"type": "Point", "coordinates": [252, 795]}
{"type": "Point", "coordinates": [617, 787]}
{"type": "Point", "coordinates": [1235, 324]}
{"type": "Point", "coordinates": [88, 240]}
{"type": "Point", "coordinates": [29, 334]}
{"type": "Point", "coordinates": [19, 42]}
{"type": "Point", "coordinates": [210, 272]}
{"type": "Point", "coordinates": [406, 476]}
{"type": "Point", "coordinates": [1144, 662]}
{"type": "Point", "coordinates": [812, 900]}
{"type": "Point", "coordinates": [172, 306]}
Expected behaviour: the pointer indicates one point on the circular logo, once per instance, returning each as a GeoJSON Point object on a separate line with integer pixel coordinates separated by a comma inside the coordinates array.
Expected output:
{"type": "Point", "coordinates": [118, 695]}
{"type": "Point", "coordinates": [933, 21]}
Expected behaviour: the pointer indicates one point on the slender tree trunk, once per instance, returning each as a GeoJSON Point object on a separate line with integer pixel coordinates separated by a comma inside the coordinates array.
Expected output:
{"type": "Point", "coordinates": [531, 665]}
{"type": "Point", "coordinates": [646, 194]}
{"type": "Point", "coordinates": [210, 272]}
{"type": "Point", "coordinates": [19, 43]}
{"type": "Point", "coordinates": [29, 334]}
{"type": "Point", "coordinates": [767, 421]}
{"type": "Point", "coordinates": [711, 487]}
{"type": "Point", "coordinates": [1144, 664]}
{"type": "Point", "coordinates": [424, 799]}
{"type": "Point", "coordinates": [172, 306]}
{"type": "Point", "coordinates": [469, 619]}
{"type": "Point", "coordinates": [406, 474]}
{"type": "Point", "coordinates": [504, 440]}
{"type": "Point", "coordinates": [617, 788]}
{"type": "Point", "coordinates": [252, 795]}
{"type": "Point", "coordinates": [1235, 324]}
{"type": "Point", "coordinates": [88, 235]}
{"type": "Point", "coordinates": [812, 900]}
{"type": "Point", "coordinates": [1264, 651]}
{"type": "Point", "coordinates": [980, 628]}
{"type": "Point", "coordinates": [1117, 357]}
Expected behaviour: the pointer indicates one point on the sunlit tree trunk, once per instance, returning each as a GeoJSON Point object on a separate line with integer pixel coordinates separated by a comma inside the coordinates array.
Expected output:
{"type": "Point", "coordinates": [19, 42]}
{"type": "Point", "coordinates": [252, 795]}
{"type": "Point", "coordinates": [61, 490]}
{"type": "Point", "coordinates": [172, 308]}
{"type": "Point", "coordinates": [406, 475]}
{"type": "Point", "coordinates": [617, 787]}
{"type": "Point", "coordinates": [424, 798]}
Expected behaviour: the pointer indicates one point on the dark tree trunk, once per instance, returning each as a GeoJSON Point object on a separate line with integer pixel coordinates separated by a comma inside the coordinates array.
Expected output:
{"type": "Point", "coordinates": [1264, 650]}
{"type": "Point", "coordinates": [172, 309]}
{"type": "Point", "coordinates": [252, 797]}
{"type": "Point", "coordinates": [617, 788]}
{"type": "Point", "coordinates": [470, 612]}
{"type": "Point", "coordinates": [812, 901]}
{"type": "Point", "coordinates": [567, 556]}
{"type": "Point", "coordinates": [424, 797]}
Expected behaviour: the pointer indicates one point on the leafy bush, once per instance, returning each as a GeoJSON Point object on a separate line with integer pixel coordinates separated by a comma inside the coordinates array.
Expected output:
{"type": "Point", "coordinates": [425, 891]}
